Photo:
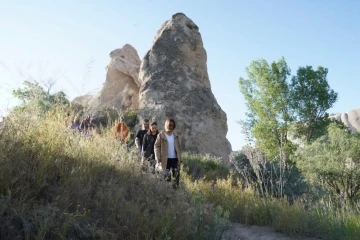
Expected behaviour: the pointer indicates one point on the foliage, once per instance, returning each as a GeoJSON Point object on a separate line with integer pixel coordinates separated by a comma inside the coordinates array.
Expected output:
{"type": "Point", "coordinates": [267, 96]}
{"type": "Point", "coordinates": [334, 162]}
{"type": "Point", "coordinates": [279, 110]}
{"type": "Point", "coordinates": [311, 97]}
{"type": "Point", "coordinates": [32, 94]}
{"type": "Point", "coordinates": [204, 167]}
{"type": "Point", "coordinates": [270, 178]}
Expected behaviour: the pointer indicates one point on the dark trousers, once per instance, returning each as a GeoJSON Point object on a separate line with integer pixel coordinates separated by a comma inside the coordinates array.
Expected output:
{"type": "Point", "coordinates": [172, 169]}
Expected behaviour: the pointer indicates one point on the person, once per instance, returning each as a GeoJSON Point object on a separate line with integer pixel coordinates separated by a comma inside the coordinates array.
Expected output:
{"type": "Point", "coordinates": [140, 135]}
{"type": "Point", "coordinates": [148, 154]}
{"type": "Point", "coordinates": [86, 125]}
{"type": "Point", "coordinates": [168, 152]}
{"type": "Point", "coordinates": [76, 124]}
{"type": "Point", "coordinates": [121, 130]}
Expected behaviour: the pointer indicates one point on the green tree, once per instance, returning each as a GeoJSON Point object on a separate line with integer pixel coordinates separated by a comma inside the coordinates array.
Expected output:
{"type": "Point", "coordinates": [32, 94]}
{"type": "Point", "coordinates": [311, 97]}
{"type": "Point", "coordinates": [279, 110]}
{"type": "Point", "coordinates": [333, 160]}
{"type": "Point", "coordinates": [267, 95]}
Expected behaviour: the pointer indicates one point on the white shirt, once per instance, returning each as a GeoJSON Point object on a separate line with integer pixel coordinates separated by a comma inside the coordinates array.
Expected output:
{"type": "Point", "coordinates": [171, 145]}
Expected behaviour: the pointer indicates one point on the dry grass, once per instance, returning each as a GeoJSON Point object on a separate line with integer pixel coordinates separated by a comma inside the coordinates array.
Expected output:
{"type": "Point", "coordinates": [56, 184]}
{"type": "Point", "coordinates": [320, 219]}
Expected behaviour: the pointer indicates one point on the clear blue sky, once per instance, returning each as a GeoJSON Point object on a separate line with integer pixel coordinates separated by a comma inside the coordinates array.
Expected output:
{"type": "Point", "coordinates": [71, 40]}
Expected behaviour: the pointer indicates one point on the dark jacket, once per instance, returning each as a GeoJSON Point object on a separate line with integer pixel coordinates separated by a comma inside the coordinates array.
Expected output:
{"type": "Point", "coordinates": [139, 138]}
{"type": "Point", "coordinates": [148, 144]}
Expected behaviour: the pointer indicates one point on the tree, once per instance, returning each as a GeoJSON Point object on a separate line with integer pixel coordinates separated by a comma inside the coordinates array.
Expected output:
{"type": "Point", "coordinates": [35, 95]}
{"type": "Point", "coordinates": [267, 95]}
{"type": "Point", "coordinates": [278, 108]}
{"type": "Point", "coordinates": [311, 97]}
{"type": "Point", "coordinates": [334, 161]}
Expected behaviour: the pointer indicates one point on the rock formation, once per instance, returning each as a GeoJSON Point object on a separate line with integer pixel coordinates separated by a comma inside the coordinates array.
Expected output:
{"type": "Point", "coordinates": [121, 88]}
{"type": "Point", "coordinates": [175, 83]}
{"type": "Point", "coordinates": [350, 119]}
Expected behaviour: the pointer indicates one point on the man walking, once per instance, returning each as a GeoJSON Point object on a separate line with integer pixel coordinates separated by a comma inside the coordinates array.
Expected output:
{"type": "Point", "coordinates": [140, 135]}
{"type": "Point", "coordinates": [148, 154]}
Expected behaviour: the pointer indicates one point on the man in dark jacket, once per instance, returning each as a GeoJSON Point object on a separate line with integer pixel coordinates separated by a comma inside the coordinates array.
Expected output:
{"type": "Point", "coordinates": [148, 154]}
{"type": "Point", "coordinates": [140, 136]}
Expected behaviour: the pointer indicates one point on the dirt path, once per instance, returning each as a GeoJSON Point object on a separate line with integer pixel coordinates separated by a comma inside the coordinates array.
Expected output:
{"type": "Point", "coordinates": [238, 231]}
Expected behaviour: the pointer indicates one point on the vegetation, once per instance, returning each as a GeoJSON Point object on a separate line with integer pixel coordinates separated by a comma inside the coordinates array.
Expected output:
{"type": "Point", "coordinates": [333, 161]}
{"type": "Point", "coordinates": [58, 184]}
{"type": "Point", "coordinates": [33, 94]}
{"type": "Point", "coordinates": [303, 166]}
{"type": "Point", "coordinates": [279, 109]}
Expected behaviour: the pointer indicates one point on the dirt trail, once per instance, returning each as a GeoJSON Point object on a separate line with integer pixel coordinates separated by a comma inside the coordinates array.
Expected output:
{"type": "Point", "coordinates": [238, 231]}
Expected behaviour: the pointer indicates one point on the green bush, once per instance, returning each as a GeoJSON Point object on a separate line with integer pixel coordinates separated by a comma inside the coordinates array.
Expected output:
{"type": "Point", "coordinates": [203, 166]}
{"type": "Point", "coordinates": [333, 161]}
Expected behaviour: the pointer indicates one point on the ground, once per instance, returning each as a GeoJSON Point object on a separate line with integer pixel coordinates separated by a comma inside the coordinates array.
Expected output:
{"type": "Point", "coordinates": [238, 231]}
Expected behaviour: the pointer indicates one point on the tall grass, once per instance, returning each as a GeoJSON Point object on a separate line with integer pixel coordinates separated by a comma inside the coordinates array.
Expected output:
{"type": "Point", "coordinates": [57, 184]}
{"type": "Point", "coordinates": [247, 206]}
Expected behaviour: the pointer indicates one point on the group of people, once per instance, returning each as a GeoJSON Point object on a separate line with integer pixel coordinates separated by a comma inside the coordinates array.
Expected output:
{"type": "Point", "coordinates": [161, 149]}
{"type": "Point", "coordinates": [85, 126]}
{"type": "Point", "coordinates": [156, 149]}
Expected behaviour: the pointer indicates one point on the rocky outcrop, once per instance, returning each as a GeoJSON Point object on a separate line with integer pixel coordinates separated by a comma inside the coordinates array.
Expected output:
{"type": "Point", "coordinates": [175, 83]}
{"type": "Point", "coordinates": [121, 88]}
{"type": "Point", "coordinates": [85, 101]}
{"type": "Point", "coordinates": [350, 119]}
{"type": "Point", "coordinates": [127, 61]}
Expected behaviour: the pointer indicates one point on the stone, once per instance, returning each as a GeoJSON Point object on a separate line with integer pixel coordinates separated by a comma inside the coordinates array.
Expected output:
{"type": "Point", "coordinates": [121, 88]}
{"type": "Point", "coordinates": [350, 119]}
{"type": "Point", "coordinates": [127, 61]}
{"type": "Point", "coordinates": [175, 83]}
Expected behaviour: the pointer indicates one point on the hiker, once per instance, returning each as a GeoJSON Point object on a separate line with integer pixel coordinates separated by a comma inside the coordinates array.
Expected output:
{"type": "Point", "coordinates": [121, 130]}
{"type": "Point", "coordinates": [76, 124]}
{"type": "Point", "coordinates": [86, 124]}
{"type": "Point", "coordinates": [140, 135]}
{"type": "Point", "coordinates": [148, 154]}
{"type": "Point", "coordinates": [168, 151]}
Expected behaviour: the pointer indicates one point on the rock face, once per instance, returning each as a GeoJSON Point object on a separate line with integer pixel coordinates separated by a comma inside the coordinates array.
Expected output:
{"type": "Point", "coordinates": [175, 83]}
{"type": "Point", "coordinates": [127, 61]}
{"type": "Point", "coordinates": [121, 88]}
{"type": "Point", "coordinates": [350, 119]}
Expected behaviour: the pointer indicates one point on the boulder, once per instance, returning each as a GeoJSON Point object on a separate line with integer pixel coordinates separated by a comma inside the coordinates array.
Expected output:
{"type": "Point", "coordinates": [350, 119]}
{"type": "Point", "coordinates": [121, 88]}
{"type": "Point", "coordinates": [120, 91]}
{"type": "Point", "coordinates": [175, 83]}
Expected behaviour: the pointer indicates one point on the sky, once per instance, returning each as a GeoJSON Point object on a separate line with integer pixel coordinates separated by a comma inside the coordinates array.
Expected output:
{"type": "Point", "coordinates": [69, 42]}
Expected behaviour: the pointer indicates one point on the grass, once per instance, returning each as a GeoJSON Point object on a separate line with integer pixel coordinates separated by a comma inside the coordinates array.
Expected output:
{"type": "Point", "coordinates": [204, 167]}
{"type": "Point", "coordinates": [57, 184]}
{"type": "Point", "coordinates": [247, 207]}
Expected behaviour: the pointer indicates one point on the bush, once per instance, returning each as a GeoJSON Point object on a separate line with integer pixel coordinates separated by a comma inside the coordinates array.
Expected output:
{"type": "Point", "coordinates": [333, 161]}
{"type": "Point", "coordinates": [268, 177]}
{"type": "Point", "coordinates": [203, 166]}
